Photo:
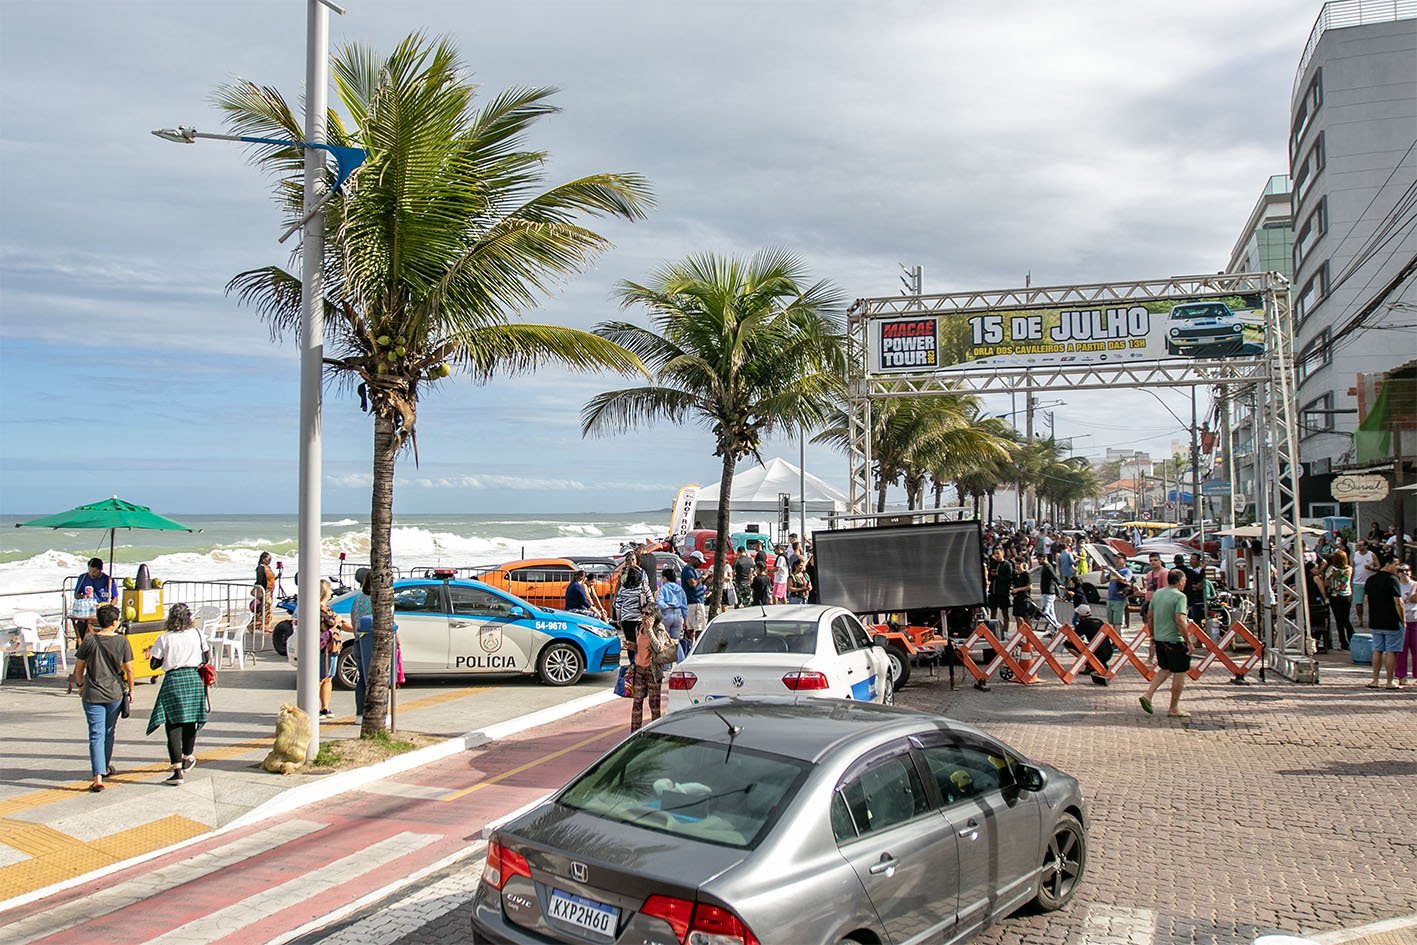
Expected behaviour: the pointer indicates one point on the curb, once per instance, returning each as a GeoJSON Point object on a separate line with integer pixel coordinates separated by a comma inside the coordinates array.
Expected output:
{"type": "Point", "coordinates": [335, 784]}
{"type": "Point", "coordinates": [1338, 936]}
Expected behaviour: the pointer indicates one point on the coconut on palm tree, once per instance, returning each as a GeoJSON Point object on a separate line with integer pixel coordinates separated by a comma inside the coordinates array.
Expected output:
{"type": "Point", "coordinates": [742, 347]}
{"type": "Point", "coordinates": [440, 240]}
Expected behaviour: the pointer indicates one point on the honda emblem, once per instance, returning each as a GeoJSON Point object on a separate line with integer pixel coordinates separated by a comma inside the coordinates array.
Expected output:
{"type": "Point", "coordinates": [579, 872]}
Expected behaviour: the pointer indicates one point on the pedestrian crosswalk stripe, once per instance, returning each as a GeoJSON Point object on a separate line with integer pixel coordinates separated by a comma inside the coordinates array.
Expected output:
{"type": "Point", "coordinates": [316, 883]}
{"type": "Point", "coordinates": [401, 917]}
{"type": "Point", "coordinates": [100, 902]}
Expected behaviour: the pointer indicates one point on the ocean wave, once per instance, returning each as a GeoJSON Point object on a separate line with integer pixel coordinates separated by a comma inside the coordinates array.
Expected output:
{"type": "Point", "coordinates": [340, 524]}
{"type": "Point", "coordinates": [588, 530]}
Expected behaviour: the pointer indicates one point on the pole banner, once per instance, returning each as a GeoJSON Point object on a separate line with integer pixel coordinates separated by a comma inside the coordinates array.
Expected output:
{"type": "Point", "coordinates": [682, 519]}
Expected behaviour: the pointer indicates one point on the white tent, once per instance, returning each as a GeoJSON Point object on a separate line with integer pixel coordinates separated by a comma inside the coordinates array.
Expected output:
{"type": "Point", "coordinates": [755, 490]}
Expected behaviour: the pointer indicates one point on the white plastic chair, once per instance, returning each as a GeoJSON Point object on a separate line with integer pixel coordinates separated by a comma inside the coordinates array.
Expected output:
{"type": "Point", "coordinates": [226, 640]}
{"type": "Point", "coordinates": [40, 641]}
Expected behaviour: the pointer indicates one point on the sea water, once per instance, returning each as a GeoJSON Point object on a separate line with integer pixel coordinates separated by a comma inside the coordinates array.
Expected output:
{"type": "Point", "coordinates": [36, 561]}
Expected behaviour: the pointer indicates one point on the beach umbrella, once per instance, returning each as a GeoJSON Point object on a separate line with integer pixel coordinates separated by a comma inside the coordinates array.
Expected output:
{"type": "Point", "coordinates": [112, 514]}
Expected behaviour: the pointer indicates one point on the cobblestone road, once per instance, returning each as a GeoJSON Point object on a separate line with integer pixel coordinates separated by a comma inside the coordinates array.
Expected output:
{"type": "Point", "coordinates": [1275, 807]}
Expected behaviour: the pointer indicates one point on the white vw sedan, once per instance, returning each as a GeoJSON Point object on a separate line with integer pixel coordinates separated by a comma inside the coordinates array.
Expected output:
{"type": "Point", "coordinates": [775, 651]}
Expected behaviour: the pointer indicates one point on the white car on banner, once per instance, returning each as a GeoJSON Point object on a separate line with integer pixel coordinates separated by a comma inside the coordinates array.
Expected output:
{"type": "Point", "coordinates": [1212, 330]}
{"type": "Point", "coordinates": [807, 649]}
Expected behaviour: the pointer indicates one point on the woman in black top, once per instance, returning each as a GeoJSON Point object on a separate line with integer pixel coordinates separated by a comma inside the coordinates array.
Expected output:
{"type": "Point", "coordinates": [104, 674]}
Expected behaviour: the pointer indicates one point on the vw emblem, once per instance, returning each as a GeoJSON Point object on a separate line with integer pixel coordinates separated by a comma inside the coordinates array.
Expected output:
{"type": "Point", "coordinates": [737, 682]}
{"type": "Point", "coordinates": [579, 872]}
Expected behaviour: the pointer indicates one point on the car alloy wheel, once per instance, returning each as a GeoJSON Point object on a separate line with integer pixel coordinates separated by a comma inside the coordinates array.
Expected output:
{"type": "Point", "coordinates": [347, 669]}
{"type": "Point", "coordinates": [1063, 863]}
{"type": "Point", "coordinates": [561, 664]}
{"type": "Point", "coordinates": [888, 691]}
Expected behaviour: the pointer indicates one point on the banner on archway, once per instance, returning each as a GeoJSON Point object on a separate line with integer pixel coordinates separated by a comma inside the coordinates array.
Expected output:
{"type": "Point", "coordinates": [1081, 335]}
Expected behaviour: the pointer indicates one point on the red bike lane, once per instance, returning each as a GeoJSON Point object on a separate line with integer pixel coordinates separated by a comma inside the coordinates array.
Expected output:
{"type": "Point", "coordinates": [255, 883]}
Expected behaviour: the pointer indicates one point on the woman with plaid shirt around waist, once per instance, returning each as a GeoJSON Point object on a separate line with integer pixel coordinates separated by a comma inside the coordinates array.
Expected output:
{"type": "Point", "coordinates": [182, 701]}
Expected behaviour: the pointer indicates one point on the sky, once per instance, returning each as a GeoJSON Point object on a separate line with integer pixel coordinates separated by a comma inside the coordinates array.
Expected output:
{"type": "Point", "coordinates": [986, 143]}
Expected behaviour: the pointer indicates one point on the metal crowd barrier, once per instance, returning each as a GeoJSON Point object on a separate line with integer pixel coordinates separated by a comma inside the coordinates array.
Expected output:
{"type": "Point", "coordinates": [1024, 655]}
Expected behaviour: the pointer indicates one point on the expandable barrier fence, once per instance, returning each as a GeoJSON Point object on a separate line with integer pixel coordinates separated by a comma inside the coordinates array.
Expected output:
{"type": "Point", "coordinates": [1023, 655]}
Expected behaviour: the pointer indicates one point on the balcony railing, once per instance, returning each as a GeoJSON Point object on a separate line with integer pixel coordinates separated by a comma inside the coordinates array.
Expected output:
{"type": "Point", "coordinates": [1342, 13]}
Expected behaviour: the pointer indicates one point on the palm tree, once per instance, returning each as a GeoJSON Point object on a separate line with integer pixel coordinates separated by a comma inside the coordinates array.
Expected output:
{"type": "Point", "coordinates": [911, 436]}
{"type": "Point", "coordinates": [441, 239]}
{"type": "Point", "coordinates": [745, 348]}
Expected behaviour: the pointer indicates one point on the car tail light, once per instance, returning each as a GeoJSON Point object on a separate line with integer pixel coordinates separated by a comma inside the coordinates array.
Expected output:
{"type": "Point", "coordinates": [502, 864]}
{"type": "Point", "coordinates": [677, 912]}
{"type": "Point", "coordinates": [679, 679]}
{"type": "Point", "coordinates": [700, 924]}
{"type": "Point", "coordinates": [805, 680]}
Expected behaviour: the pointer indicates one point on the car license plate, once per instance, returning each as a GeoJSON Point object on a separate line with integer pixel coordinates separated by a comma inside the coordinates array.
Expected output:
{"type": "Point", "coordinates": [586, 913]}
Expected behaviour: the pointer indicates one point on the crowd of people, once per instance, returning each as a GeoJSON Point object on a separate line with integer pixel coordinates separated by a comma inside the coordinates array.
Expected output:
{"type": "Point", "coordinates": [1341, 584]}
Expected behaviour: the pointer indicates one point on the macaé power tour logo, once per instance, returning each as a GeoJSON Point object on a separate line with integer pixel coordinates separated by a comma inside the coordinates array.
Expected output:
{"type": "Point", "coordinates": [909, 344]}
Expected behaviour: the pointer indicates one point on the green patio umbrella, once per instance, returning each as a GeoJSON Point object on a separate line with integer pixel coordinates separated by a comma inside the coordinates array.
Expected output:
{"type": "Point", "coordinates": [112, 514]}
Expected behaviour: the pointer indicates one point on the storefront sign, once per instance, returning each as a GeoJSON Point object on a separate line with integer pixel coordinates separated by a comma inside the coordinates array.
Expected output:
{"type": "Point", "coordinates": [1364, 488]}
{"type": "Point", "coordinates": [1151, 330]}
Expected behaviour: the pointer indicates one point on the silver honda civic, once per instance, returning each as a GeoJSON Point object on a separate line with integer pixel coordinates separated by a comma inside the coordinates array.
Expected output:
{"type": "Point", "coordinates": [792, 820]}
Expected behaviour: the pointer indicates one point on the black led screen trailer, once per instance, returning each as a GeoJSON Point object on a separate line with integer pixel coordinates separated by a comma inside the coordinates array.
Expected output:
{"type": "Point", "coordinates": [901, 567]}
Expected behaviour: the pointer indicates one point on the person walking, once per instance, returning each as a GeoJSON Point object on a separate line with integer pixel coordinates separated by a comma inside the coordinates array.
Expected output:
{"type": "Point", "coordinates": [1408, 651]}
{"type": "Point", "coordinates": [1365, 565]}
{"type": "Point", "coordinates": [360, 608]}
{"type": "Point", "coordinates": [1385, 619]}
{"type": "Point", "coordinates": [649, 672]}
{"type": "Point", "coordinates": [1001, 579]}
{"type": "Point", "coordinates": [1171, 644]}
{"type": "Point", "coordinates": [181, 704]}
{"type": "Point", "coordinates": [673, 604]}
{"type": "Point", "coordinates": [1316, 590]}
{"type": "Point", "coordinates": [1339, 579]}
{"type": "Point", "coordinates": [762, 586]}
{"type": "Point", "coordinates": [103, 672]}
{"type": "Point", "coordinates": [1153, 581]}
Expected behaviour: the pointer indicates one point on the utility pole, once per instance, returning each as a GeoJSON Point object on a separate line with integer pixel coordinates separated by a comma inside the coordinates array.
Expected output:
{"type": "Point", "coordinates": [912, 279]}
{"type": "Point", "coordinates": [1196, 518]}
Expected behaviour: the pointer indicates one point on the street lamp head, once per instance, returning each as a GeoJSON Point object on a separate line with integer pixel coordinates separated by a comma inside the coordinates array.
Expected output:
{"type": "Point", "coordinates": [181, 134]}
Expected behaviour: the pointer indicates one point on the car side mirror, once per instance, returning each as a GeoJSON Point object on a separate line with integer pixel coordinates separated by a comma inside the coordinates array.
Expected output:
{"type": "Point", "coordinates": [1031, 778]}
{"type": "Point", "coordinates": [518, 613]}
{"type": "Point", "coordinates": [880, 640]}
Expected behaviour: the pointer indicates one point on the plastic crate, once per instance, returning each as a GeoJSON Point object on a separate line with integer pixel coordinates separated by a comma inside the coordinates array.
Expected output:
{"type": "Point", "coordinates": [41, 664]}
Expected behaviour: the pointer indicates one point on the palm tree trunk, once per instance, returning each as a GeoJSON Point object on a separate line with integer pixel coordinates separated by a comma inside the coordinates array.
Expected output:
{"type": "Point", "coordinates": [991, 505]}
{"type": "Point", "coordinates": [381, 514]}
{"type": "Point", "coordinates": [720, 555]}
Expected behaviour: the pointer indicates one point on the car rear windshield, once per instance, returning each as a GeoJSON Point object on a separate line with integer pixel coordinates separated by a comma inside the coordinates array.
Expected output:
{"type": "Point", "coordinates": [701, 790]}
{"type": "Point", "coordinates": [759, 636]}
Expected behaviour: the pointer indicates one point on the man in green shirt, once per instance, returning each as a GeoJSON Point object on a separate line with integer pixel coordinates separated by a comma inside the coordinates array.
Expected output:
{"type": "Point", "coordinates": [1171, 646]}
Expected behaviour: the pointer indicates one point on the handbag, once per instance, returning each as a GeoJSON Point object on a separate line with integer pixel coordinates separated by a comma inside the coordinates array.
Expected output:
{"type": "Point", "coordinates": [625, 682]}
{"type": "Point", "coordinates": [661, 645]}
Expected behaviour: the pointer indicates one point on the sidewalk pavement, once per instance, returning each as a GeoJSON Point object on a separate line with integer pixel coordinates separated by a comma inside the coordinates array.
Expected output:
{"type": "Point", "coordinates": [53, 830]}
{"type": "Point", "coordinates": [288, 874]}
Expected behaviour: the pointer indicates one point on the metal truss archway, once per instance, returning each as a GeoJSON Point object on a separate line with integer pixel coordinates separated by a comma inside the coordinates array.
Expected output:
{"type": "Point", "coordinates": [1270, 377]}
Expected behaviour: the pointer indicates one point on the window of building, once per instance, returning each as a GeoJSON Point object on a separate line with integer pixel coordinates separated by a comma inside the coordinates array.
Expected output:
{"type": "Point", "coordinates": [1315, 290]}
{"type": "Point", "coordinates": [1316, 354]}
{"type": "Point", "coordinates": [1304, 112]}
{"type": "Point", "coordinates": [1313, 228]}
{"type": "Point", "coordinates": [1317, 415]}
{"type": "Point", "coordinates": [1307, 172]}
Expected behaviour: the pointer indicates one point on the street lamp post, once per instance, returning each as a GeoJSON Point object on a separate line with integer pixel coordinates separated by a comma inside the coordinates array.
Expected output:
{"type": "Point", "coordinates": [307, 687]}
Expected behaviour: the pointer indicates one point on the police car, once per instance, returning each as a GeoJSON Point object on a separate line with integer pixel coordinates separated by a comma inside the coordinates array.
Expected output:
{"type": "Point", "coordinates": [806, 649]}
{"type": "Point", "coordinates": [452, 627]}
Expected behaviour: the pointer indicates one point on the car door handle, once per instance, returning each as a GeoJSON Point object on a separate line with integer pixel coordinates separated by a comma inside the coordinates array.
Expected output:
{"type": "Point", "coordinates": [886, 865]}
{"type": "Point", "coordinates": [460, 623]}
{"type": "Point", "coordinates": [969, 830]}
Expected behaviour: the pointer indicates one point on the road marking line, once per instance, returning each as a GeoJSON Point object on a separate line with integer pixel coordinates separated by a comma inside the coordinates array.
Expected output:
{"type": "Point", "coordinates": [101, 902]}
{"type": "Point", "coordinates": [312, 885]}
{"type": "Point", "coordinates": [1116, 925]}
{"type": "Point", "coordinates": [396, 919]}
{"type": "Point", "coordinates": [532, 764]}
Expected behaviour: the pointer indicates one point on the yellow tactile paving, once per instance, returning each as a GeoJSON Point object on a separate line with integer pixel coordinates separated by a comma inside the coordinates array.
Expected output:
{"type": "Point", "coordinates": [34, 839]}
{"type": "Point", "coordinates": [39, 798]}
{"type": "Point", "coordinates": [55, 856]}
{"type": "Point", "coordinates": [154, 836]}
